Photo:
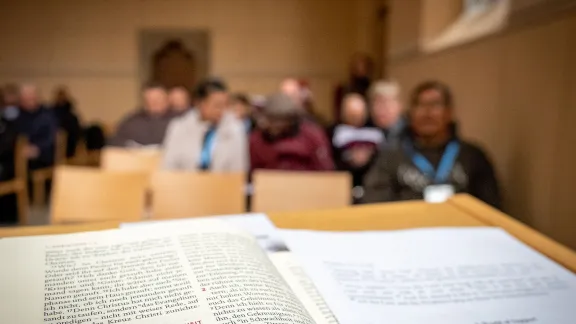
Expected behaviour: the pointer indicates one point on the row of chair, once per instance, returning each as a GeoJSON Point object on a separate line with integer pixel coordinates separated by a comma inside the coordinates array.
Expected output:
{"type": "Point", "coordinates": [39, 178]}
{"type": "Point", "coordinates": [83, 194]}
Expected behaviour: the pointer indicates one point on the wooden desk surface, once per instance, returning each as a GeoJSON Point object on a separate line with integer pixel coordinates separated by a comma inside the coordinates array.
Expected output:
{"type": "Point", "coordinates": [461, 210]}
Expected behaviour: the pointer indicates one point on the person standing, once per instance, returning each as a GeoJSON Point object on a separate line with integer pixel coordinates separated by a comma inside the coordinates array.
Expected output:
{"type": "Point", "coordinates": [64, 110]}
{"type": "Point", "coordinates": [284, 141]}
{"type": "Point", "coordinates": [39, 125]}
{"type": "Point", "coordinates": [359, 81]}
{"type": "Point", "coordinates": [432, 161]}
{"type": "Point", "coordinates": [147, 126]}
{"type": "Point", "coordinates": [209, 137]}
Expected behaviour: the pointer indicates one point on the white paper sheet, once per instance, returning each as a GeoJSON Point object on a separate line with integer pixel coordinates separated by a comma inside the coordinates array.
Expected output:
{"type": "Point", "coordinates": [256, 224]}
{"type": "Point", "coordinates": [447, 276]}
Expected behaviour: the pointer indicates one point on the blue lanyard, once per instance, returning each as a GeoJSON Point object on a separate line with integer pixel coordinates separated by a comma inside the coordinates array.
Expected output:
{"type": "Point", "coordinates": [207, 148]}
{"type": "Point", "coordinates": [444, 167]}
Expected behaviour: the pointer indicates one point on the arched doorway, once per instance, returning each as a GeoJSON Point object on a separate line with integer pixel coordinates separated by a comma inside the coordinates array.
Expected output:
{"type": "Point", "coordinates": [174, 65]}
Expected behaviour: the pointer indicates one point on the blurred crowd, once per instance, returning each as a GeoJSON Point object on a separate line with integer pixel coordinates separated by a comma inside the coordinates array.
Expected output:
{"type": "Point", "coordinates": [394, 150]}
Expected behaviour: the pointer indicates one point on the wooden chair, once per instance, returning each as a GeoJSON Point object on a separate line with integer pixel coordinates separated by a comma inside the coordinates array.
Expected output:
{"type": "Point", "coordinates": [41, 176]}
{"type": "Point", "coordinates": [183, 194]}
{"type": "Point", "coordinates": [83, 194]}
{"type": "Point", "coordinates": [277, 191]}
{"type": "Point", "coordinates": [19, 184]}
{"type": "Point", "coordinates": [122, 159]}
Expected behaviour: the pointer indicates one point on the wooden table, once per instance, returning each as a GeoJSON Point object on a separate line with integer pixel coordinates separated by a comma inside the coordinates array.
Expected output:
{"type": "Point", "coordinates": [462, 210]}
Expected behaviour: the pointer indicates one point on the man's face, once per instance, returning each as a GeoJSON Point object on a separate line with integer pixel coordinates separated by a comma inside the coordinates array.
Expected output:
{"type": "Point", "coordinates": [29, 98]}
{"type": "Point", "coordinates": [386, 110]}
{"type": "Point", "coordinates": [156, 101]}
{"type": "Point", "coordinates": [213, 106]}
{"type": "Point", "coordinates": [179, 99]}
{"type": "Point", "coordinates": [277, 127]}
{"type": "Point", "coordinates": [430, 115]}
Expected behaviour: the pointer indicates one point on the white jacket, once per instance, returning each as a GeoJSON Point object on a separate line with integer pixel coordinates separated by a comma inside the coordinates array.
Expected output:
{"type": "Point", "coordinates": [184, 140]}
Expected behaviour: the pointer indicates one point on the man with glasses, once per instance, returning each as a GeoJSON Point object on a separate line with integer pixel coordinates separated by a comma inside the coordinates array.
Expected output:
{"type": "Point", "coordinates": [431, 161]}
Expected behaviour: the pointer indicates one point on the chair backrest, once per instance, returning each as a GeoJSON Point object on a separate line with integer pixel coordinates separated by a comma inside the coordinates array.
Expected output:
{"type": "Point", "coordinates": [121, 159]}
{"type": "Point", "coordinates": [60, 147]}
{"type": "Point", "coordinates": [82, 194]}
{"type": "Point", "coordinates": [276, 191]}
{"type": "Point", "coordinates": [187, 194]}
{"type": "Point", "coordinates": [20, 160]}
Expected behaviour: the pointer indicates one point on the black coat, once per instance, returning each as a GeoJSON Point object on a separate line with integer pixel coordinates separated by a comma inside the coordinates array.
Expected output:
{"type": "Point", "coordinates": [8, 137]}
{"type": "Point", "coordinates": [394, 176]}
{"type": "Point", "coordinates": [69, 122]}
{"type": "Point", "coordinates": [40, 127]}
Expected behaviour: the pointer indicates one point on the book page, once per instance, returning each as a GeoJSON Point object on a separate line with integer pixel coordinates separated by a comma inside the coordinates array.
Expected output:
{"type": "Point", "coordinates": [303, 287]}
{"type": "Point", "coordinates": [205, 273]}
{"type": "Point", "coordinates": [258, 225]}
{"type": "Point", "coordinates": [448, 276]}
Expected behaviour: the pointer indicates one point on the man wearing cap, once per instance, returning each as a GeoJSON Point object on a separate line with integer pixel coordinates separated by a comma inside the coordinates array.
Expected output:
{"type": "Point", "coordinates": [286, 142]}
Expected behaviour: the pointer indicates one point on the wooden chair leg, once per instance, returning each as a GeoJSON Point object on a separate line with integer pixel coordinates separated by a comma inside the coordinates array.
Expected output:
{"type": "Point", "coordinates": [39, 192]}
{"type": "Point", "coordinates": [23, 208]}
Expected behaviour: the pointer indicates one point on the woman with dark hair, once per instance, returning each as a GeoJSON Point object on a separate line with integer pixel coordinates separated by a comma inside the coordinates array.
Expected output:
{"type": "Point", "coordinates": [432, 161]}
{"type": "Point", "coordinates": [209, 137]}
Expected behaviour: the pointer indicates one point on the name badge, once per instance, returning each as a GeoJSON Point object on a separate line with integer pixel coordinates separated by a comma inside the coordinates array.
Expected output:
{"type": "Point", "coordinates": [436, 194]}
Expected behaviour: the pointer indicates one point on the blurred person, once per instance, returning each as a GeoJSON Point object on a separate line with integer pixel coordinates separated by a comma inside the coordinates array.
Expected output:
{"type": "Point", "coordinates": [8, 203]}
{"type": "Point", "coordinates": [243, 110]}
{"type": "Point", "coordinates": [147, 126]}
{"type": "Point", "coordinates": [39, 125]}
{"type": "Point", "coordinates": [209, 137]}
{"type": "Point", "coordinates": [11, 100]}
{"type": "Point", "coordinates": [432, 162]}
{"type": "Point", "coordinates": [354, 145]}
{"type": "Point", "coordinates": [179, 98]}
{"type": "Point", "coordinates": [386, 110]}
{"type": "Point", "coordinates": [300, 92]}
{"type": "Point", "coordinates": [64, 110]}
{"type": "Point", "coordinates": [359, 81]}
{"type": "Point", "coordinates": [287, 142]}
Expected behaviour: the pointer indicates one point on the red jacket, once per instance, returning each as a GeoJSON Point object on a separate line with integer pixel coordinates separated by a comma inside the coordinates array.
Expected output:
{"type": "Point", "coordinates": [307, 149]}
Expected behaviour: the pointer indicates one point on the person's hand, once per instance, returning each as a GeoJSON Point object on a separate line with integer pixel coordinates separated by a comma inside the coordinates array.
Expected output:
{"type": "Point", "coordinates": [31, 151]}
{"type": "Point", "coordinates": [360, 156]}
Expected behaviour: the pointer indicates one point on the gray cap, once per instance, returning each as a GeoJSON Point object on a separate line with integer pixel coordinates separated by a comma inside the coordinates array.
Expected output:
{"type": "Point", "coordinates": [281, 106]}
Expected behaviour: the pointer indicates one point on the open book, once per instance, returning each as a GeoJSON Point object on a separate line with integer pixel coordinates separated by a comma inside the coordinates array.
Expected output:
{"type": "Point", "coordinates": [207, 272]}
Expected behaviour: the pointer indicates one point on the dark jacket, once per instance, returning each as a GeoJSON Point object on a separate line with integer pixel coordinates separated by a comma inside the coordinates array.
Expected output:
{"type": "Point", "coordinates": [40, 127]}
{"type": "Point", "coordinates": [394, 134]}
{"type": "Point", "coordinates": [344, 140]}
{"type": "Point", "coordinates": [394, 176]}
{"type": "Point", "coordinates": [305, 148]}
{"type": "Point", "coordinates": [69, 122]}
{"type": "Point", "coordinates": [8, 137]}
{"type": "Point", "coordinates": [141, 128]}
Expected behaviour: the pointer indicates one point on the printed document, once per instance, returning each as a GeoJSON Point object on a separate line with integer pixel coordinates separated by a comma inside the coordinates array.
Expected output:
{"type": "Point", "coordinates": [435, 276]}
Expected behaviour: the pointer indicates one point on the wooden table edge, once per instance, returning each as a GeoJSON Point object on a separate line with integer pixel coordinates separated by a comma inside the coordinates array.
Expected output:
{"type": "Point", "coordinates": [493, 217]}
